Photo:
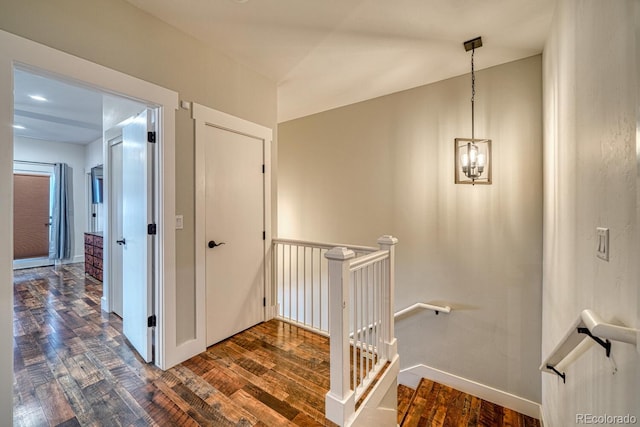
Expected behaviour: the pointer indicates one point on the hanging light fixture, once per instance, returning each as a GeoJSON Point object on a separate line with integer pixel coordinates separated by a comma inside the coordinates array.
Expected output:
{"type": "Point", "coordinates": [473, 156]}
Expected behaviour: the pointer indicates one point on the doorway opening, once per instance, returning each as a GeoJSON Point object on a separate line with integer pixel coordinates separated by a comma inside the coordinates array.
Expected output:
{"type": "Point", "coordinates": [63, 122]}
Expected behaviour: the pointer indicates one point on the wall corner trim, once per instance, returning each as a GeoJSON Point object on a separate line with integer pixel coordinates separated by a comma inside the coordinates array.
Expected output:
{"type": "Point", "coordinates": [411, 377]}
{"type": "Point", "coordinates": [541, 418]}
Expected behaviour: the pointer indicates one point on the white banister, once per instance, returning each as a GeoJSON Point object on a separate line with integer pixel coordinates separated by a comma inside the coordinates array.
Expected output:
{"type": "Point", "coordinates": [300, 281]}
{"type": "Point", "coordinates": [418, 305]}
{"type": "Point", "coordinates": [361, 323]}
{"type": "Point", "coordinates": [340, 402]}
{"type": "Point", "coordinates": [588, 324]}
{"type": "Point", "coordinates": [347, 293]}
{"type": "Point", "coordinates": [309, 244]}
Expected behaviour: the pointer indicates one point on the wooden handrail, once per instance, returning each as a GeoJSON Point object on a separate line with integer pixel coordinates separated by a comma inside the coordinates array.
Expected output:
{"type": "Point", "coordinates": [588, 324]}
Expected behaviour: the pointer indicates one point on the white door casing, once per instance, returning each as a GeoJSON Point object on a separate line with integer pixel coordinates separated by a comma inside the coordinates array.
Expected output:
{"type": "Point", "coordinates": [234, 217]}
{"type": "Point", "coordinates": [138, 249]}
{"type": "Point", "coordinates": [116, 232]}
{"type": "Point", "coordinates": [206, 119]}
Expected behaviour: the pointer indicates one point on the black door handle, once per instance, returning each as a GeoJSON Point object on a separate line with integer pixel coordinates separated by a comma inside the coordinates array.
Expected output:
{"type": "Point", "coordinates": [121, 242]}
{"type": "Point", "coordinates": [213, 244]}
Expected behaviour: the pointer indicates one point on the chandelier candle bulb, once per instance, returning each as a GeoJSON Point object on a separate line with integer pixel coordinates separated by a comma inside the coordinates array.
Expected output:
{"type": "Point", "coordinates": [473, 153]}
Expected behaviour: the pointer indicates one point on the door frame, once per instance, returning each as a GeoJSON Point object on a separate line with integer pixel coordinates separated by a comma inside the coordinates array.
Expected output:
{"type": "Point", "coordinates": [111, 139]}
{"type": "Point", "coordinates": [19, 52]}
{"type": "Point", "coordinates": [203, 117]}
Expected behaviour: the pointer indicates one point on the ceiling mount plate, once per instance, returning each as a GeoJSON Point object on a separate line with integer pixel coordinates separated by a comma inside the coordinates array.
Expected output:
{"type": "Point", "coordinates": [473, 44]}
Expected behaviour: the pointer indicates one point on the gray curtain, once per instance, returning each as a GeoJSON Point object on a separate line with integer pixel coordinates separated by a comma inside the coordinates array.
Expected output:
{"type": "Point", "coordinates": [62, 219]}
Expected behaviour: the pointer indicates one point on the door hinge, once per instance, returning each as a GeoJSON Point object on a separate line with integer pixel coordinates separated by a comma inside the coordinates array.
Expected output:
{"type": "Point", "coordinates": [264, 302]}
{"type": "Point", "coordinates": [151, 137]}
{"type": "Point", "coordinates": [262, 168]}
{"type": "Point", "coordinates": [264, 235]}
{"type": "Point", "coordinates": [152, 229]}
{"type": "Point", "coordinates": [152, 321]}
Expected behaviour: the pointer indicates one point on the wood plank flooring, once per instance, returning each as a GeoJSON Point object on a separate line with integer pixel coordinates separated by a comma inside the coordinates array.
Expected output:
{"type": "Point", "coordinates": [433, 404]}
{"type": "Point", "coordinates": [73, 367]}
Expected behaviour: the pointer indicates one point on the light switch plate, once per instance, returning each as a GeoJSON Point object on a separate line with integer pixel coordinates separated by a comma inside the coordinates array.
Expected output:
{"type": "Point", "coordinates": [602, 242]}
{"type": "Point", "coordinates": [179, 222]}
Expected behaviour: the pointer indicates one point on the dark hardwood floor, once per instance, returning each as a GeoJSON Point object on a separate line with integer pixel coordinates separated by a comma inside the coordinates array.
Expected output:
{"type": "Point", "coordinates": [436, 405]}
{"type": "Point", "coordinates": [72, 367]}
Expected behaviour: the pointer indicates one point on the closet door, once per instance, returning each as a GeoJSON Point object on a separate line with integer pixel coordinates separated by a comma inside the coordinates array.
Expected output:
{"type": "Point", "coordinates": [31, 198]}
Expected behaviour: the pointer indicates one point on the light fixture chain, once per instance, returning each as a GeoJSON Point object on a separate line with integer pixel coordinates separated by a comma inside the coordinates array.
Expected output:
{"type": "Point", "coordinates": [473, 95]}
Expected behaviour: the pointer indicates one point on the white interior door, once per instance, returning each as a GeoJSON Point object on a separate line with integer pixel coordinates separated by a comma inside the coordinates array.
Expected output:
{"type": "Point", "coordinates": [137, 250]}
{"type": "Point", "coordinates": [116, 232]}
{"type": "Point", "coordinates": [234, 193]}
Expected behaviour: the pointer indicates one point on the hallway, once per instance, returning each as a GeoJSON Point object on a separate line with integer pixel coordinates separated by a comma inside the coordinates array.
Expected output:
{"type": "Point", "coordinates": [72, 367]}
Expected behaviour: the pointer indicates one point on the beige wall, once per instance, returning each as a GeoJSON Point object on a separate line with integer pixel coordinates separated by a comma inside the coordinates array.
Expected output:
{"type": "Point", "coordinates": [591, 180]}
{"type": "Point", "coordinates": [115, 34]}
{"type": "Point", "coordinates": [385, 166]}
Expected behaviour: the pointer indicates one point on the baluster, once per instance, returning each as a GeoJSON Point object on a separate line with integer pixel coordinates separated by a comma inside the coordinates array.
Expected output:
{"type": "Point", "coordinates": [313, 324]}
{"type": "Point", "coordinates": [304, 284]}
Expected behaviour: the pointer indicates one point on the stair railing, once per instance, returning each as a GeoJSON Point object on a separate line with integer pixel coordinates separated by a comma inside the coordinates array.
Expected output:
{"type": "Point", "coordinates": [421, 305]}
{"type": "Point", "coordinates": [588, 324]}
{"type": "Point", "coordinates": [361, 324]}
{"type": "Point", "coordinates": [301, 280]}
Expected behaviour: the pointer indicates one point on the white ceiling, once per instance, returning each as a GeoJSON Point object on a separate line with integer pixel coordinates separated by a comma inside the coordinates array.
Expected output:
{"type": "Point", "coordinates": [71, 113]}
{"type": "Point", "coordinates": [327, 53]}
{"type": "Point", "coordinates": [322, 54]}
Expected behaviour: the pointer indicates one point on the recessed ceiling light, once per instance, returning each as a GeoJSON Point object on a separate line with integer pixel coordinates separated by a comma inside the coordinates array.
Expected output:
{"type": "Point", "coordinates": [38, 98]}
{"type": "Point", "coordinates": [18, 127]}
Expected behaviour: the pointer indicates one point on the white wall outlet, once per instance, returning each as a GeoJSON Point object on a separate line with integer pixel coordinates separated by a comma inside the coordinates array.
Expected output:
{"type": "Point", "coordinates": [179, 222]}
{"type": "Point", "coordinates": [602, 241]}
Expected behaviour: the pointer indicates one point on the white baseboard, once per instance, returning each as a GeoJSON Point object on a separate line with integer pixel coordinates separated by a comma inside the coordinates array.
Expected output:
{"type": "Point", "coordinates": [31, 263]}
{"type": "Point", "coordinates": [43, 262]}
{"type": "Point", "coordinates": [411, 377]}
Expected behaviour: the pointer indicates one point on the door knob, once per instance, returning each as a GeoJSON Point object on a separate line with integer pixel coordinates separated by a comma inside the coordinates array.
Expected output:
{"type": "Point", "coordinates": [213, 244]}
{"type": "Point", "coordinates": [121, 242]}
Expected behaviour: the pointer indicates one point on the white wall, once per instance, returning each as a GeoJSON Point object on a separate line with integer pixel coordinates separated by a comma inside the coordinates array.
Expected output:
{"type": "Point", "coordinates": [74, 155]}
{"type": "Point", "coordinates": [385, 166]}
{"type": "Point", "coordinates": [591, 180]}
{"type": "Point", "coordinates": [93, 156]}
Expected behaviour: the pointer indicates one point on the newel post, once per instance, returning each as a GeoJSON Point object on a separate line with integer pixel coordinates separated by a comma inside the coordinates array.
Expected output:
{"type": "Point", "coordinates": [340, 400]}
{"type": "Point", "coordinates": [388, 243]}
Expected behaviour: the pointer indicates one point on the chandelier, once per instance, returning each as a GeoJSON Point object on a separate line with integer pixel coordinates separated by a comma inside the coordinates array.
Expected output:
{"type": "Point", "coordinates": [472, 155]}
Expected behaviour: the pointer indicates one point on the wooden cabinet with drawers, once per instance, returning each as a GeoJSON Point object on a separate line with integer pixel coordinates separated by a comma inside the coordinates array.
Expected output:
{"type": "Point", "coordinates": [93, 254]}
